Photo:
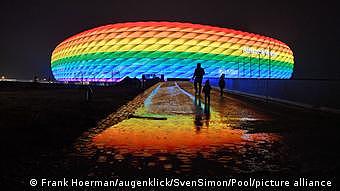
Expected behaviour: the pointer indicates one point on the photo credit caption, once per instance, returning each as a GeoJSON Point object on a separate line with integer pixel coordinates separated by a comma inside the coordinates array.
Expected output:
{"type": "Point", "coordinates": [256, 183]}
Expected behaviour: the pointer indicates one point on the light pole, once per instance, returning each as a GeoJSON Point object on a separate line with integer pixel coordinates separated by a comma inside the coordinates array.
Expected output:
{"type": "Point", "coordinates": [250, 66]}
{"type": "Point", "coordinates": [238, 70]}
{"type": "Point", "coordinates": [259, 65]}
{"type": "Point", "coordinates": [269, 67]}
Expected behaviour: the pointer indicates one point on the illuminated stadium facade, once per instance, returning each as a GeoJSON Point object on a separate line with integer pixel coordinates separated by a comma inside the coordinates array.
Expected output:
{"type": "Point", "coordinates": [112, 52]}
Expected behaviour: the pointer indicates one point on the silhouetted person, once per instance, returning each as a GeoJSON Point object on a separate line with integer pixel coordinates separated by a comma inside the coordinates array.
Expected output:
{"type": "Point", "coordinates": [206, 91]}
{"type": "Point", "coordinates": [198, 77]}
{"type": "Point", "coordinates": [221, 84]}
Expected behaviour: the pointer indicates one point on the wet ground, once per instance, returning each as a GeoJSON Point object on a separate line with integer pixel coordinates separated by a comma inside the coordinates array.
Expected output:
{"type": "Point", "coordinates": [174, 133]}
{"type": "Point", "coordinates": [166, 130]}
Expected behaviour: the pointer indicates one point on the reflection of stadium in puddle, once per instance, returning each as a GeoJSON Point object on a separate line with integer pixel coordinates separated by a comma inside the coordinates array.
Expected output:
{"type": "Point", "coordinates": [181, 135]}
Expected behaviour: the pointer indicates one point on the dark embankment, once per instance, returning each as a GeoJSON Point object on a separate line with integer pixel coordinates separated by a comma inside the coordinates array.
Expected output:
{"type": "Point", "coordinates": [38, 118]}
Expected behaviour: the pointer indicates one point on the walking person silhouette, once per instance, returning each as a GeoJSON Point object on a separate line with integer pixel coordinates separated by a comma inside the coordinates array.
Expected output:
{"type": "Point", "coordinates": [198, 77]}
{"type": "Point", "coordinates": [221, 84]}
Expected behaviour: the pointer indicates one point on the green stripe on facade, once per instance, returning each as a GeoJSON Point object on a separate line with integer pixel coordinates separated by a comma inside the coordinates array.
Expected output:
{"type": "Point", "coordinates": [168, 55]}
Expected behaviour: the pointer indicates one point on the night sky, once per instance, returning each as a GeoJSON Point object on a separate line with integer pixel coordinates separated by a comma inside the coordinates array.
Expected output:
{"type": "Point", "coordinates": [30, 30]}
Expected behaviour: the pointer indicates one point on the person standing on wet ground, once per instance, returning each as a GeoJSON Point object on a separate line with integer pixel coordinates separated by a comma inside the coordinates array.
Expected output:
{"type": "Point", "coordinates": [206, 91]}
{"type": "Point", "coordinates": [221, 84]}
{"type": "Point", "coordinates": [198, 77]}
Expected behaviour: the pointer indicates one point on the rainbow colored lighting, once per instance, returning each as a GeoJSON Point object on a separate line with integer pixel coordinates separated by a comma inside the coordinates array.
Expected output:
{"type": "Point", "coordinates": [112, 52]}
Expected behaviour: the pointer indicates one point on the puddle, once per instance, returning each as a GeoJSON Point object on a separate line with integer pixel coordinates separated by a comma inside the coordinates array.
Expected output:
{"type": "Point", "coordinates": [187, 135]}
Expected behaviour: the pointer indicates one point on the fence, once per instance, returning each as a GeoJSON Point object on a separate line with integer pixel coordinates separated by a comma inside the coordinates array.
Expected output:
{"type": "Point", "coordinates": [322, 94]}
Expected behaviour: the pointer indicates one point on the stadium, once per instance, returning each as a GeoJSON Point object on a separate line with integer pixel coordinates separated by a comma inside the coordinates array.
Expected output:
{"type": "Point", "coordinates": [112, 52]}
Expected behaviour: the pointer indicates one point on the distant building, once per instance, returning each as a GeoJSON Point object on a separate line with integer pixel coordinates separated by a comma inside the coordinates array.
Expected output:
{"type": "Point", "coordinates": [112, 52]}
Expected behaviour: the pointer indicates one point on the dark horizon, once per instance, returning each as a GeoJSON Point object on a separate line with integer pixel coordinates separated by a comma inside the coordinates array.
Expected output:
{"type": "Point", "coordinates": [31, 30]}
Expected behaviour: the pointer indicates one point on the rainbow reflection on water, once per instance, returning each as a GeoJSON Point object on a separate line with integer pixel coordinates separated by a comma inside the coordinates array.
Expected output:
{"type": "Point", "coordinates": [187, 131]}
